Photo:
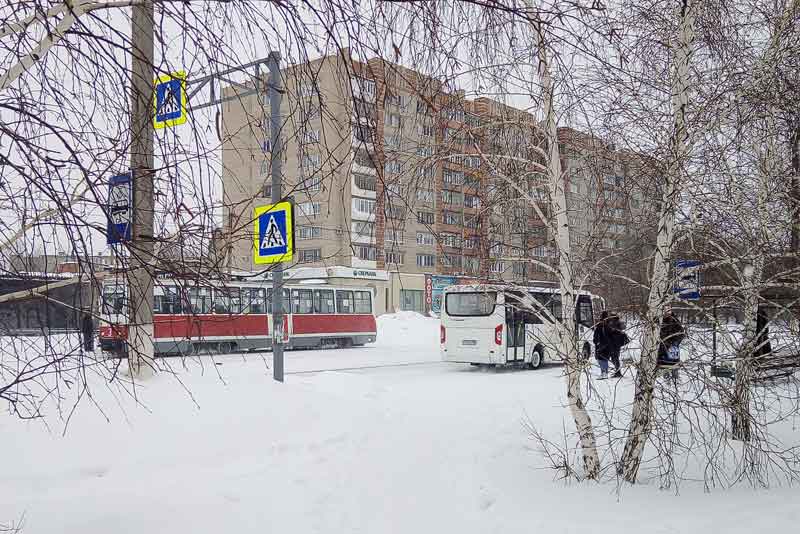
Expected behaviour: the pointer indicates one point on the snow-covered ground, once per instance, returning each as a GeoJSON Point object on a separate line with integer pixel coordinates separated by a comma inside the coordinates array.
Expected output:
{"type": "Point", "coordinates": [379, 439]}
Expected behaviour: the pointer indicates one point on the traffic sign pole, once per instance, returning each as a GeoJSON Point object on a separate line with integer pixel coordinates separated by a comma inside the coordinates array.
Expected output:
{"type": "Point", "coordinates": [275, 92]}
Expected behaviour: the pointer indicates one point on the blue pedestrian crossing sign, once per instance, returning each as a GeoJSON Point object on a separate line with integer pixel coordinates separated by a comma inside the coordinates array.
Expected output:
{"type": "Point", "coordinates": [273, 238]}
{"type": "Point", "coordinates": [169, 100]}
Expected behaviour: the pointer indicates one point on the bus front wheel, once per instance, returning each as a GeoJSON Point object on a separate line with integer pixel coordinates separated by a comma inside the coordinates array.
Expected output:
{"type": "Point", "coordinates": [536, 358]}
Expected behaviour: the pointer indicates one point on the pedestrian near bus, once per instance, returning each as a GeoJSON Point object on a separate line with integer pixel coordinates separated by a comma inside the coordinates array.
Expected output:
{"type": "Point", "coordinates": [603, 343]}
{"type": "Point", "coordinates": [618, 340]}
{"type": "Point", "coordinates": [87, 330]}
{"type": "Point", "coordinates": [671, 335]}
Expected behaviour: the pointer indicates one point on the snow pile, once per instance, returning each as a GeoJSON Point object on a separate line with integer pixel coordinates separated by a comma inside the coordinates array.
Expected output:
{"type": "Point", "coordinates": [384, 438]}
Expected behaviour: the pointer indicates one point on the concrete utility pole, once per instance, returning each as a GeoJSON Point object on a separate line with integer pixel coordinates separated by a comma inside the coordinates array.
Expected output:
{"type": "Point", "coordinates": [275, 162]}
{"type": "Point", "coordinates": [140, 268]}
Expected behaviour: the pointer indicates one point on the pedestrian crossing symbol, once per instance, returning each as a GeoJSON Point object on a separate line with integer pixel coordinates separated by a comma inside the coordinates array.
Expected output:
{"type": "Point", "coordinates": [272, 232]}
{"type": "Point", "coordinates": [169, 100]}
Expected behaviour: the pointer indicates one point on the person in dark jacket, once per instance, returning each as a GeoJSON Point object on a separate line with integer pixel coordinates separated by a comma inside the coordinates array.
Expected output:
{"type": "Point", "coordinates": [87, 330]}
{"type": "Point", "coordinates": [671, 335]}
{"type": "Point", "coordinates": [763, 346]}
{"type": "Point", "coordinates": [602, 343]}
{"type": "Point", "coordinates": [618, 340]}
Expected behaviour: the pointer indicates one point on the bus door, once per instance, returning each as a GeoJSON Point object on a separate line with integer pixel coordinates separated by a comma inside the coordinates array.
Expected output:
{"type": "Point", "coordinates": [515, 334]}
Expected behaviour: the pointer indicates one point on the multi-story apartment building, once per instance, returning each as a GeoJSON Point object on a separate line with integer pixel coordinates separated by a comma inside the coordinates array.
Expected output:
{"type": "Point", "coordinates": [392, 170]}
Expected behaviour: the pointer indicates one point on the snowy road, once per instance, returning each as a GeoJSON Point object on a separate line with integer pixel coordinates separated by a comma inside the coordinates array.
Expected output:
{"type": "Point", "coordinates": [392, 441]}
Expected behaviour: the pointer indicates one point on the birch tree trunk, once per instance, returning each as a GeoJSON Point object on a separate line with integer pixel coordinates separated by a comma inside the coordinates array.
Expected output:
{"type": "Point", "coordinates": [567, 339]}
{"type": "Point", "coordinates": [660, 282]}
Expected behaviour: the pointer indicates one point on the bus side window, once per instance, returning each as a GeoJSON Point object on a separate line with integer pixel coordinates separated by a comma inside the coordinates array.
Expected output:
{"type": "Point", "coordinates": [584, 311]}
{"type": "Point", "coordinates": [344, 301]}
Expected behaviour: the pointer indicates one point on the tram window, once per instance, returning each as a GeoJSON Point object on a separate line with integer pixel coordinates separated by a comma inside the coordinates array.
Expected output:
{"type": "Point", "coordinates": [344, 301]}
{"type": "Point", "coordinates": [169, 303]}
{"type": "Point", "coordinates": [199, 299]}
{"type": "Point", "coordinates": [363, 302]}
{"type": "Point", "coordinates": [585, 311]}
{"type": "Point", "coordinates": [323, 301]}
{"type": "Point", "coordinates": [287, 302]}
{"type": "Point", "coordinates": [114, 299]}
{"type": "Point", "coordinates": [302, 301]}
{"type": "Point", "coordinates": [227, 300]}
{"type": "Point", "coordinates": [253, 300]}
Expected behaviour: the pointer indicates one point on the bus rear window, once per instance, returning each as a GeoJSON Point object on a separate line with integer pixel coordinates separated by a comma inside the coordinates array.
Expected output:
{"type": "Point", "coordinates": [470, 304]}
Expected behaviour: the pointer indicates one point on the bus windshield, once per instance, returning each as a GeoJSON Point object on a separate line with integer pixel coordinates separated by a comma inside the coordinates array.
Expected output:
{"type": "Point", "coordinates": [477, 304]}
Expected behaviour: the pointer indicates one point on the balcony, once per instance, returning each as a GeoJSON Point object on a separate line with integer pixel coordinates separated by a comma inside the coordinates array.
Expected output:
{"type": "Point", "coordinates": [362, 239]}
{"type": "Point", "coordinates": [364, 264]}
{"type": "Point", "coordinates": [362, 215]}
{"type": "Point", "coordinates": [358, 192]}
{"type": "Point", "coordinates": [364, 169]}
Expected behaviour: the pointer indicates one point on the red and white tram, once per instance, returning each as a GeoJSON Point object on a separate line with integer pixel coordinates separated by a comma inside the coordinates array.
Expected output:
{"type": "Point", "coordinates": [233, 316]}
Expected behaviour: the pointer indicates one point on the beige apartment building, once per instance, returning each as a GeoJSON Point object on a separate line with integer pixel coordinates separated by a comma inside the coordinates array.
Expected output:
{"type": "Point", "coordinates": [392, 171]}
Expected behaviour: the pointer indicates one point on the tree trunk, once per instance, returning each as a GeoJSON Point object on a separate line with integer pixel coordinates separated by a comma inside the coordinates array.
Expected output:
{"type": "Point", "coordinates": [568, 346]}
{"type": "Point", "coordinates": [660, 283]}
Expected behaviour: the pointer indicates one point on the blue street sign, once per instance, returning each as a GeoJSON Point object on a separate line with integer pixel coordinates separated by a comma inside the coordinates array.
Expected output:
{"type": "Point", "coordinates": [170, 100]}
{"type": "Point", "coordinates": [120, 199]}
{"type": "Point", "coordinates": [687, 279]}
{"type": "Point", "coordinates": [273, 238]}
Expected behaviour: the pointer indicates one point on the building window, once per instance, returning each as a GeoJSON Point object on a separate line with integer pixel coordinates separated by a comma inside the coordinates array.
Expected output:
{"type": "Point", "coordinates": [393, 236]}
{"type": "Point", "coordinates": [365, 182]}
{"type": "Point", "coordinates": [393, 119]}
{"type": "Point", "coordinates": [450, 240]}
{"type": "Point", "coordinates": [412, 300]}
{"type": "Point", "coordinates": [393, 167]}
{"type": "Point", "coordinates": [363, 134]}
{"type": "Point", "coordinates": [426, 130]}
{"type": "Point", "coordinates": [471, 242]}
{"type": "Point", "coordinates": [309, 255]}
{"type": "Point", "coordinates": [448, 217]}
{"type": "Point", "coordinates": [312, 184]}
{"type": "Point", "coordinates": [471, 201]}
{"type": "Point", "coordinates": [364, 205]}
{"type": "Point", "coordinates": [309, 232]}
{"type": "Point", "coordinates": [426, 260]}
{"type": "Point", "coordinates": [425, 217]}
{"type": "Point", "coordinates": [310, 137]}
{"type": "Point", "coordinates": [450, 260]}
{"type": "Point", "coordinates": [451, 197]}
{"type": "Point", "coordinates": [472, 222]}
{"type": "Point", "coordinates": [266, 190]}
{"type": "Point", "coordinates": [574, 187]}
{"type": "Point", "coordinates": [393, 211]}
{"type": "Point", "coordinates": [425, 150]}
{"type": "Point", "coordinates": [394, 100]}
{"type": "Point", "coordinates": [365, 252]}
{"type": "Point", "coordinates": [363, 158]}
{"type": "Point", "coordinates": [393, 257]}
{"type": "Point", "coordinates": [543, 252]}
{"type": "Point", "coordinates": [498, 267]}
{"type": "Point", "coordinates": [391, 141]}
{"type": "Point", "coordinates": [425, 238]}
{"type": "Point", "coordinates": [424, 195]}
{"type": "Point", "coordinates": [471, 265]}
{"type": "Point", "coordinates": [362, 230]}
{"type": "Point", "coordinates": [362, 87]}
{"type": "Point", "coordinates": [310, 163]}
{"type": "Point", "coordinates": [428, 171]}
{"type": "Point", "coordinates": [518, 268]}
{"type": "Point", "coordinates": [452, 177]}
{"type": "Point", "coordinates": [635, 204]}
{"type": "Point", "coordinates": [309, 209]}
{"type": "Point", "coordinates": [306, 90]}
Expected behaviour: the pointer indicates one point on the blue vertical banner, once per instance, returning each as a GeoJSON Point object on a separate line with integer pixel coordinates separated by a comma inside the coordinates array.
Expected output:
{"type": "Point", "coordinates": [119, 209]}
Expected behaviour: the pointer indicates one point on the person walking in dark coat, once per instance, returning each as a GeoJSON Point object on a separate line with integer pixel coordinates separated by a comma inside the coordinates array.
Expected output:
{"type": "Point", "coordinates": [602, 339]}
{"type": "Point", "coordinates": [672, 333]}
{"type": "Point", "coordinates": [87, 329]}
{"type": "Point", "coordinates": [618, 340]}
{"type": "Point", "coordinates": [763, 346]}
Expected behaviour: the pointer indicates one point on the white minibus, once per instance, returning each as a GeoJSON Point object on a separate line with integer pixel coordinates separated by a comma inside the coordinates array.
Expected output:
{"type": "Point", "coordinates": [498, 325]}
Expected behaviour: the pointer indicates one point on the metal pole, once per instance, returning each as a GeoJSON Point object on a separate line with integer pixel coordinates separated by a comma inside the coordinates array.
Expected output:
{"type": "Point", "coordinates": [140, 273]}
{"type": "Point", "coordinates": [276, 153]}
